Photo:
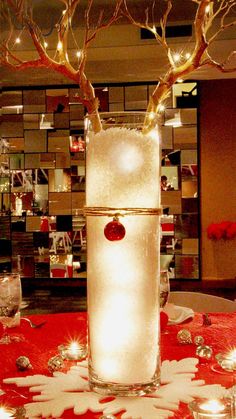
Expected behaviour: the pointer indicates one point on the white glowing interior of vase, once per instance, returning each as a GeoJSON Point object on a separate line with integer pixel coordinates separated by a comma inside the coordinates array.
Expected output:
{"type": "Point", "coordinates": [122, 169]}
{"type": "Point", "coordinates": [123, 304]}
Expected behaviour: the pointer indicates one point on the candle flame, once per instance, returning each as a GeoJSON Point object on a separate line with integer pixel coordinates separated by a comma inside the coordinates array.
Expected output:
{"type": "Point", "coordinates": [74, 348]}
{"type": "Point", "coordinates": [6, 413]}
{"type": "Point", "coordinates": [212, 406]}
{"type": "Point", "coordinates": [232, 355]}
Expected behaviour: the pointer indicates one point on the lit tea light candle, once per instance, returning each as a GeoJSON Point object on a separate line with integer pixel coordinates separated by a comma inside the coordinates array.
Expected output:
{"type": "Point", "coordinates": [227, 361]}
{"type": "Point", "coordinates": [231, 358]}
{"type": "Point", "coordinates": [74, 351]}
{"type": "Point", "coordinates": [212, 406]}
{"type": "Point", "coordinates": [6, 413]}
{"type": "Point", "coordinates": [211, 409]}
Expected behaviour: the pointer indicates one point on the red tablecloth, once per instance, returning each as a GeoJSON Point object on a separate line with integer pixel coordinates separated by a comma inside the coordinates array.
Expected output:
{"type": "Point", "coordinates": [41, 344]}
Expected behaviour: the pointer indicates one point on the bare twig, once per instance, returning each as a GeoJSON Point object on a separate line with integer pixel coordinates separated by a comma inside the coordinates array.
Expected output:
{"type": "Point", "coordinates": [199, 57]}
{"type": "Point", "coordinates": [60, 63]}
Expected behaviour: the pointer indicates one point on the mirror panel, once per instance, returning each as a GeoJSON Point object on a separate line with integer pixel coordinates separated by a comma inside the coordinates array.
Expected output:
{"type": "Point", "coordinates": [58, 141]}
{"type": "Point", "coordinates": [116, 99]}
{"type": "Point", "coordinates": [170, 178]}
{"type": "Point", "coordinates": [12, 126]}
{"type": "Point", "coordinates": [77, 117]}
{"type": "Point", "coordinates": [5, 208]}
{"type": "Point", "coordinates": [31, 121]}
{"type": "Point", "coordinates": [11, 102]}
{"type": "Point", "coordinates": [4, 184]}
{"type": "Point", "coordinates": [77, 143]}
{"type": "Point", "coordinates": [184, 95]}
{"type": "Point", "coordinates": [47, 160]}
{"type": "Point", "coordinates": [34, 101]}
{"type": "Point", "coordinates": [59, 180]}
{"type": "Point", "coordinates": [16, 161]}
{"type": "Point", "coordinates": [33, 223]}
{"type": "Point", "coordinates": [59, 203]}
{"type": "Point", "coordinates": [186, 225]}
{"type": "Point", "coordinates": [171, 202]}
{"type": "Point", "coordinates": [42, 266]}
{"type": "Point", "coordinates": [185, 137]}
{"type": "Point", "coordinates": [135, 97]}
{"type": "Point", "coordinates": [61, 120]}
{"type": "Point", "coordinates": [57, 100]}
{"type": "Point", "coordinates": [46, 121]}
{"type": "Point", "coordinates": [32, 161]}
{"type": "Point", "coordinates": [188, 116]}
{"type": "Point", "coordinates": [167, 137]}
{"type": "Point", "coordinates": [15, 145]}
{"type": "Point", "coordinates": [43, 179]}
{"type": "Point", "coordinates": [35, 141]}
{"type": "Point", "coordinates": [186, 266]}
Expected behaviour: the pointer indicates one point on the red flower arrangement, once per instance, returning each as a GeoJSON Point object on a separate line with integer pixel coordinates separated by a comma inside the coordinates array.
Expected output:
{"type": "Point", "coordinates": [224, 230]}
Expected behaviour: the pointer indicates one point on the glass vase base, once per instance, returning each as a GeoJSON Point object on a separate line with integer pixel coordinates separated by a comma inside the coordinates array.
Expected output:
{"type": "Point", "coordinates": [123, 390]}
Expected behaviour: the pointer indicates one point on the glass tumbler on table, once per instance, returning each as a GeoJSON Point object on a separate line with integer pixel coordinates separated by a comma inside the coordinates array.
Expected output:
{"type": "Point", "coordinates": [10, 300]}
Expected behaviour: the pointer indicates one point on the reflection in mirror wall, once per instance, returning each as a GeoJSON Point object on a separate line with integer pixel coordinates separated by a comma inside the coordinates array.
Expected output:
{"type": "Point", "coordinates": [42, 179]}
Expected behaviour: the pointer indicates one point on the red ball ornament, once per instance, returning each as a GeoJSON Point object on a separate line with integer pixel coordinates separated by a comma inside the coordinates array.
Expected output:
{"type": "Point", "coordinates": [114, 230]}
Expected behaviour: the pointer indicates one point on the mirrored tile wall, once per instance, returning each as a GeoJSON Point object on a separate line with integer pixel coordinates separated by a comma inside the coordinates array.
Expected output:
{"type": "Point", "coordinates": [42, 179]}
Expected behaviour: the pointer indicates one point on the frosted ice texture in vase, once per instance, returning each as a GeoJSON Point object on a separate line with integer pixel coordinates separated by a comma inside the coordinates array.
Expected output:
{"type": "Point", "coordinates": [122, 171]}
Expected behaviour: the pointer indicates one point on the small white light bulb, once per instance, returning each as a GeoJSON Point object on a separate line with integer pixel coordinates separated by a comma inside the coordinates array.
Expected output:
{"type": "Point", "coordinates": [161, 108]}
{"type": "Point", "coordinates": [59, 46]}
{"type": "Point", "coordinates": [78, 54]}
{"type": "Point", "coordinates": [45, 44]}
{"type": "Point", "coordinates": [176, 57]}
{"type": "Point", "coordinates": [151, 115]}
{"type": "Point", "coordinates": [187, 55]}
{"type": "Point", "coordinates": [17, 41]}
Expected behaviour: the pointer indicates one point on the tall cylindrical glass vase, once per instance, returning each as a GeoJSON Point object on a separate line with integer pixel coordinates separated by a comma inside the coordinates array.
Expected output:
{"type": "Point", "coordinates": [123, 247]}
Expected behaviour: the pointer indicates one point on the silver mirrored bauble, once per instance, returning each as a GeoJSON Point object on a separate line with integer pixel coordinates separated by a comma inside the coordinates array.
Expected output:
{"type": "Point", "coordinates": [198, 340]}
{"type": "Point", "coordinates": [184, 337]}
{"type": "Point", "coordinates": [107, 417]}
{"type": "Point", "coordinates": [204, 352]}
{"type": "Point", "coordinates": [55, 363]}
{"type": "Point", "coordinates": [23, 363]}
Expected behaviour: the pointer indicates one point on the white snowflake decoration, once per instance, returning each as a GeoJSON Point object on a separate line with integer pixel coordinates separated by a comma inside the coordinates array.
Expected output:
{"type": "Point", "coordinates": [70, 390]}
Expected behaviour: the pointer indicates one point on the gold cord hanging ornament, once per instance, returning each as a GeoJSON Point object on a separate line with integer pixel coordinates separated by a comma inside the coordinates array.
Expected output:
{"type": "Point", "coordinates": [115, 230]}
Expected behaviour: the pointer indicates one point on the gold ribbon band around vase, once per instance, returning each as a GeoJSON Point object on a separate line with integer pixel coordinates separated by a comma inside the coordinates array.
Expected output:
{"type": "Point", "coordinates": [110, 211]}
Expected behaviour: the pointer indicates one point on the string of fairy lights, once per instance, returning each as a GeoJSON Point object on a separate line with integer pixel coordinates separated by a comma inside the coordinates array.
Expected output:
{"type": "Point", "coordinates": [176, 57]}
{"type": "Point", "coordinates": [75, 54]}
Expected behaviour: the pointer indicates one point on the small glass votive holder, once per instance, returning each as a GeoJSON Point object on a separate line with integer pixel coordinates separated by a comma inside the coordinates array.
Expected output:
{"type": "Point", "coordinates": [73, 351]}
{"type": "Point", "coordinates": [7, 412]}
{"type": "Point", "coordinates": [227, 361]}
{"type": "Point", "coordinates": [211, 409]}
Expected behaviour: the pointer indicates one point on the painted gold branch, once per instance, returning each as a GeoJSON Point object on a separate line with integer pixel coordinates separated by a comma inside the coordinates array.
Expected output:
{"type": "Point", "coordinates": [60, 62]}
{"type": "Point", "coordinates": [207, 12]}
{"type": "Point", "coordinates": [212, 17]}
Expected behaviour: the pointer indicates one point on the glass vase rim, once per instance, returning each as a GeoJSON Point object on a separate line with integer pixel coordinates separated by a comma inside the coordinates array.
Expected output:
{"type": "Point", "coordinates": [11, 275]}
{"type": "Point", "coordinates": [123, 118]}
{"type": "Point", "coordinates": [119, 113]}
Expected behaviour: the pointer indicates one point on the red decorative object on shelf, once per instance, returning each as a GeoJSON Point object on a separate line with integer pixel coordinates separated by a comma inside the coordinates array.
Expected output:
{"type": "Point", "coordinates": [224, 230]}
